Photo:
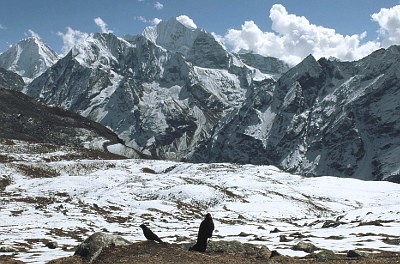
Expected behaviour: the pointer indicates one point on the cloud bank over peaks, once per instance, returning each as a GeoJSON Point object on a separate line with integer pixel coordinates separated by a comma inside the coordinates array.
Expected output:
{"type": "Point", "coordinates": [295, 38]}
{"type": "Point", "coordinates": [71, 38]}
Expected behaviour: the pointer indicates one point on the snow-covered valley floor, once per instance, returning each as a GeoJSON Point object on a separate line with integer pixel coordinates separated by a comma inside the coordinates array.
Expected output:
{"type": "Point", "coordinates": [66, 201]}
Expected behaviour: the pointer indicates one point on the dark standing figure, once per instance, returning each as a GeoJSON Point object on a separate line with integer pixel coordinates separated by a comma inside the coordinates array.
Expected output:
{"type": "Point", "coordinates": [205, 232]}
{"type": "Point", "coordinates": [149, 234]}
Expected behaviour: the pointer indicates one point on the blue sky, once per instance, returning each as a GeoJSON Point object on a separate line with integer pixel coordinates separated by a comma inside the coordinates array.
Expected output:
{"type": "Point", "coordinates": [258, 25]}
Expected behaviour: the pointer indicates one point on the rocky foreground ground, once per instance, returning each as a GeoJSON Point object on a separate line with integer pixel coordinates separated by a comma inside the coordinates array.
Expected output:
{"type": "Point", "coordinates": [218, 252]}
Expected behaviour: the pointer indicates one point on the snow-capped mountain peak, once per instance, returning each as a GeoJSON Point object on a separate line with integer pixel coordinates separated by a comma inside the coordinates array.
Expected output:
{"type": "Point", "coordinates": [29, 58]}
{"type": "Point", "coordinates": [98, 48]}
{"type": "Point", "coordinates": [173, 35]}
{"type": "Point", "coordinates": [175, 92]}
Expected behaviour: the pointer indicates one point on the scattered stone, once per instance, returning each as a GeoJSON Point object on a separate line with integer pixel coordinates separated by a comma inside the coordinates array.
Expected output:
{"type": "Point", "coordinates": [52, 244]}
{"type": "Point", "coordinates": [276, 230]}
{"type": "Point", "coordinates": [243, 234]}
{"type": "Point", "coordinates": [335, 237]}
{"type": "Point", "coordinates": [331, 223]}
{"type": "Point", "coordinates": [283, 238]}
{"type": "Point", "coordinates": [275, 253]}
{"type": "Point", "coordinates": [148, 170]}
{"type": "Point", "coordinates": [94, 244]}
{"type": "Point", "coordinates": [394, 241]}
{"type": "Point", "coordinates": [7, 249]}
{"type": "Point", "coordinates": [263, 252]}
{"type": "Point", "coordinates": [306, 247]}
{"type": "Point", "coordinates": [181, 239]}
{"type": "Point", "coordinates": [325, 255]}
{"type": "Point", "coordinates": [374, 223]}
{"type": "Point", "coordinates": [257, 238]}
{"type": "Point", "coordinates": [238, 247]}
{"type": "Point", "coordinates": [4, 182]}
{"type": "Point", "coordinates": [356, 254]}
{"type": "Point", "coordinates": [297, 235]}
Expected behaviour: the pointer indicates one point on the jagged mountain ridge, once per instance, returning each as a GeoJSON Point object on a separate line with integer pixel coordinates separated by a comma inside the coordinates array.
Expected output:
{"type": "Point", "coordinates": [28, 119]}
{"type": "Point", "coordinates": [29, 58]}
{"type": "Point", "coordinates": [177, 93]}
{"type": "Point", "coordinates": [320, 118]}
{"type": "Point", "coordinates": [161, 102]}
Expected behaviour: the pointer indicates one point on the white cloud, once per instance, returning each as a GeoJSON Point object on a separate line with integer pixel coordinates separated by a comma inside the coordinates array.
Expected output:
{"type": "Point", "coordinates": [141, 19]}
{"type": "Point", "coordinates": [2, 27]}
{"type": "Point", "coordinates": [71, 38]}
{"type": "Point", "coordinates": [156, 20]}
{"type": "Point", "coordinates": [102, 25]}
{"type": "Point", "coordinates": [153, 21]}
{"type": "Point", "coordinates": [158, 6]}
{"type": "Point", "coordinates": [389, 22]}
{"type": "Point", "coordinates": [295, 38]}
{"type": "Point", "coordinates": [187, 21]}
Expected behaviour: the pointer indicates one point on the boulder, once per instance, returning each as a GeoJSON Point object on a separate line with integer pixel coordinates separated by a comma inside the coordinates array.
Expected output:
{"type": "Point", "coordinates": [306, 247]}
{"type": "Point", "coordinates": [283, 238]}
{"type": "Point", "coordinates": [7, 249]}
{"type": "Point", "coordinates": [356, 254]}
{"type": "Point", "coordinates": [94, 244]}
{"type": "Point", "coordinates": [325, 255]}
{"type": "Point", "coordinates": [52, 244]}
{"type": "Point", "coordinates": [4, 181]}
{"type": "Point", "coordinates": [275, 230]}
{"type": "Point", "coordinates": [236, 247]}
{"type": "Point", "coordinates": [331, 223]}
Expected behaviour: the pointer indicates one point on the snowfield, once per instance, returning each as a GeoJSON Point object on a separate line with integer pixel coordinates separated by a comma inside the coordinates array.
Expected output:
{"type": "Point", "coordinates": [66, 201]}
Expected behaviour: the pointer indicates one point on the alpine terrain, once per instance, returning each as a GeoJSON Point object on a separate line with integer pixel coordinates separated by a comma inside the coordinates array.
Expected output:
{"type": "Point", "coordinates": [164, 127]}
{"type": "Point", "coordinates": [176, 93]}
{"type": "Point", "coordinates": [29, 58]}
{"type": "Point", "coordinates": [27, 119]}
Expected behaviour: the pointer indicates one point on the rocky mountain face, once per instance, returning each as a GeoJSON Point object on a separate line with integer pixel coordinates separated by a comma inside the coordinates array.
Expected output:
{"type": "Point", "coordinates": [10, 80]}
{"type": "Point", "coordinates": [176, 93]}
{"type": "Point", "coordinates": [29, 58]}
{"type": "Point", "coordinates": [28, 119]}
{"type": "Point", "coordinates": [320, 118]}
{"type": "Point", "coordinates": [161, 100]}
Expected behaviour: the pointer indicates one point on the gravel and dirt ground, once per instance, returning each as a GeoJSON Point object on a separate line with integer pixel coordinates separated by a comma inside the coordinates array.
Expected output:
{"type": "Point", "coordinates": [151, 252]}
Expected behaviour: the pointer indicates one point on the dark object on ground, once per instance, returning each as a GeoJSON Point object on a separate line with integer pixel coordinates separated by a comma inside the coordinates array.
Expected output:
{"type": "Point", "coordinates": [205, 232]}
{"type": "Point", "coordinates": [93, 245]}
{"type": "Point", "coordinates": [149, 234]}
{"type": "Point", "coordinates": [306, 247]}
{"type": "Point", "coordinates": [356, 254]}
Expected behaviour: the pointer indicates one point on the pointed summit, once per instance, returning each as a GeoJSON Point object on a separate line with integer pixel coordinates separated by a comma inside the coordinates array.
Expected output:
{"type": "Point", "coordinates": [181, 35]}
{"type": "Point", "coordinates": [98, 48]}
{"type": "Point", "coordinates": [29, 58]}
{"type": "Point", "coordinates": [176, 34]}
